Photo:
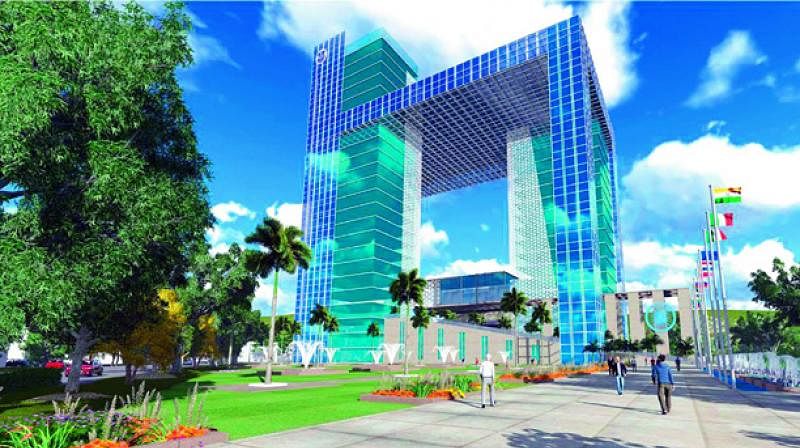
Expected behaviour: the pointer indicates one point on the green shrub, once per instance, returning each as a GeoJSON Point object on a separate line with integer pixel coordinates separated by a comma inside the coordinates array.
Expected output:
{"type": "Point", "coordinates": [13, 379]}
{"type": "Point", "coordinates": [462, 383]}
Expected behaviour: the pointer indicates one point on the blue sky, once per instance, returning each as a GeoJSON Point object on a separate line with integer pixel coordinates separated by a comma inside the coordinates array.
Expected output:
{"type": "Point", "coordinates": [699, 93]}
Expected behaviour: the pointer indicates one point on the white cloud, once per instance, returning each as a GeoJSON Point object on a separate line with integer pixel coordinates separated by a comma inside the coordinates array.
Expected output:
{"type": "Point", "coordinates": [797, 65]}
{"type": "Point", "coordinates": [206, 49]}
{"type": "Point", "coordinates": [467, 267]}
{"type": "Point", "coordinates": [681, 171]}
{"type": "Point", "coordinates": [715, 126]}
{"type": "Point", "coordinates": [219, 248]}
{"type": "Point", "coordinates": [444, 33]}
{"type": "Point", "coordinates": [650, 263]}
{"type": "Point", "coordinates": [197, 23]}
{"type": "Point", "coordinates": [644, 254]}
{"type": "Point", "coordinates": [287, 285]}
{"type": "Point", "coordinates": [289, 214]}
{"type": "Point", "coordinates": [430, 239]}
{"type": "Point", "coordinates": [485, 227]}
{"type": "Point", "coordinates": [724, 62]}
{"type": "Point", "coordinates": [751, 258]}
{"type": "Point", "coordinates": [219, 234]}
{"type": "Point", "coordinates": [638, 286]}
{"type": "Point", "coordinates": [231, 211]}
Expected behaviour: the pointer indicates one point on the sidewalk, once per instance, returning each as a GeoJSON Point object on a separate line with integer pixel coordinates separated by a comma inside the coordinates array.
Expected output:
{"type": "Point", "coordinates": [574, 412]}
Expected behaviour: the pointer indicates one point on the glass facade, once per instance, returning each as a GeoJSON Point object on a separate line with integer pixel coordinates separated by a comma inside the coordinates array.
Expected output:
{"type": "Point", "coordinates": [379, 140]}
{"type": "Point", "coordinates": [478, 288]}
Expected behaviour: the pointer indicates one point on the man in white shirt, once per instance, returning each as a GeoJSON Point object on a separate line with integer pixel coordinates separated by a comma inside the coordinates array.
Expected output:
{"type": "Point", "coordinates": [487, 380]}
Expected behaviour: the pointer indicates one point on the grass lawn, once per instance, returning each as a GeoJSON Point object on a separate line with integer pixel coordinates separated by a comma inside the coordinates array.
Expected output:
{"type": "Point", "coordinates": [246, 414]}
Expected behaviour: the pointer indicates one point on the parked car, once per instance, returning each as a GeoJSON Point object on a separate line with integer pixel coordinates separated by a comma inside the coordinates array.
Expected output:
{"type": "Point", "coordinates": [88, 368]}
{"type": "Point", "coordinates": [16, 363]}
{"type": "Point", "coordinates": [54, 364]}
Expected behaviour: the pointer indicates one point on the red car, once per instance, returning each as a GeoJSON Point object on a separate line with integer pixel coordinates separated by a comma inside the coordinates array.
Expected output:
{"type": "Point", "coordinates": [54, 364]}
{"type": "Point", "coordinates": [88, 368]}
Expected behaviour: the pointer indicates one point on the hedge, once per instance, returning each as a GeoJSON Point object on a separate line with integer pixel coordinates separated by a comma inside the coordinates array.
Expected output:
{"type": "Point", "coordinates": [15, 378]}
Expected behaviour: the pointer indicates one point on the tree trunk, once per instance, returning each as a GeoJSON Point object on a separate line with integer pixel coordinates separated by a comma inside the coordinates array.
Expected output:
{"type": "Point", "coordinates": [177, 363]}
{"type": "Point", "coordinates": [230, 351]}
{"type": "Point", "coordinates": [130, 373]}
{"type": "Point", "coordinates": [268, 375]}
{"type": "Point", "coordinates": [79, 350]}
{"type": "Point", "coordinates": [516, 342]}
{"type": "Point", "coordinates": [405, 340]}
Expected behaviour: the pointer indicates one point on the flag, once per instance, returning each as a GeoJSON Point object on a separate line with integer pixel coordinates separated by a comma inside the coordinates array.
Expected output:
{"type": "Point", "coordinates": [720, 234]}
{"type": "Point", "coordinates": [707, 269]}
{"type": "Point", "coordinates": [699, 285]}
{"type": "Point", "coordinates": [730, 195]}
{"type": "Point", "coordinates": [722, 220]}
{"type": "Point", "coordinates": [709, 255]}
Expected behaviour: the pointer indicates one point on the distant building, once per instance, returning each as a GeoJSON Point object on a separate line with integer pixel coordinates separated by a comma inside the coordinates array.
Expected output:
{"type": "Point", "coordinates": [629, 314]}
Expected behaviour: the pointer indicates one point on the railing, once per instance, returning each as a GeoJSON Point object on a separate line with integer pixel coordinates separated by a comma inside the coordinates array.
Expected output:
{"type": "Point", "coordinates": [781, 369]}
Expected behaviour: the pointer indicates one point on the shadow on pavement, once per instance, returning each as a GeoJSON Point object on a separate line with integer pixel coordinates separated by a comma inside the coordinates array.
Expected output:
{"type": "Point", "coordinates": [530, 438]}
{"type": "Point", "coordinates": [790, 441]}
{"type": "Point", "coordinates": [655, 411]}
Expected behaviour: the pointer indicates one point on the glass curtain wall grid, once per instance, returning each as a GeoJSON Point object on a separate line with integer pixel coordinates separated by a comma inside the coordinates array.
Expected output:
{"type": "Point", "coordinates": [379, 141]}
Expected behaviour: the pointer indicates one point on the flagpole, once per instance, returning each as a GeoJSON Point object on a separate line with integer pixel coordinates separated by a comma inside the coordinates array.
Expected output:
{"type": "Point", "coordinates": [723, 292]}
{"type": "Point", "coordinates": [704, 320]}
{"type": "Point", "coordinates": [714, 300]}
{"type": "Point", "coordinates": [694, 304]}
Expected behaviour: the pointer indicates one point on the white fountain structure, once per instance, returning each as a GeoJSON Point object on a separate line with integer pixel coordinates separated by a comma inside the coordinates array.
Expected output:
{"type": "Point", "coordinates": [391, 351]}
{"type": "Point", "coordinates": [376, 356]}
{"type": "Point", "coordinates": [504, 356]}
{"type": "Point", "coordinates": [330, 352]}
{"type": "Point", "coordinates": [446, 353]}
{"type": "Point", "coordinates": [307, 351]}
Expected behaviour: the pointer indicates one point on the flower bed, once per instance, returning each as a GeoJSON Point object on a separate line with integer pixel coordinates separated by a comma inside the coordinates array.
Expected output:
{"type": "Point", "coordinates": [394, 393]}
{"type": "Point", "coordinates": [135, 423]}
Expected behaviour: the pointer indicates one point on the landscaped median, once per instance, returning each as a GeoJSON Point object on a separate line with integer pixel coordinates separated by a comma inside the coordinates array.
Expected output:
{"type": "Point", "coordinates": [548, 374]}
{"type": "Point", "coordinates": [426, 388]}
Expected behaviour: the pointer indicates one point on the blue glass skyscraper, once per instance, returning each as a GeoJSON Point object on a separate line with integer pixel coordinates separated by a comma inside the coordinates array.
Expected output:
{"type": "Point", "coordinates": [379, 140]}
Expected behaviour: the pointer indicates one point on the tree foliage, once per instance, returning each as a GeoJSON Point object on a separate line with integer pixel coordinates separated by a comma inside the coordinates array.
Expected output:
{"type": "Point", "coordinates": [514, 302]}
{"type": "Point", "coordinates": [755, 332]}
{"type": "Point", "coordinates": [406, 291]}
{"type": "Point", "coordinates": [97, 145]}
{"type": "Point", "coordinates": [781, 294]}
{"type": "Point", "coordinates": [504, 322]}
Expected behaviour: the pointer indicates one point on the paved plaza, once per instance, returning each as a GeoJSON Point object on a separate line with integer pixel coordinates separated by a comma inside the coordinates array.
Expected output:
{"type": "Point", "coordinates": [572, 412]}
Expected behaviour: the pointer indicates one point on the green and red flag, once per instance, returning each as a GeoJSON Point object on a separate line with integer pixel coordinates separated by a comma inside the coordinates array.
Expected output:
{"type": "Point", "coordinates": [722, 219]}
{"type": "Point", "coordinates": [727, 195]}
{"type": "Point", "coordinates": [714, 234]}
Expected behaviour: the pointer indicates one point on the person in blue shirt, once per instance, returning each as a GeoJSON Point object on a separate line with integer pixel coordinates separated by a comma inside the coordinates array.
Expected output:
{"type": "Point", "coordinates": [663, 376]}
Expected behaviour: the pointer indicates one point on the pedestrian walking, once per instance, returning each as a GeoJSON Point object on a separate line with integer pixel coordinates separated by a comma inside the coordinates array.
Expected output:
{"type": "Point", "coordinates": [653, 370]}
{"type": "Point", "coordinates": [620, 370]}
{"type": "Point", "coordinates": [633, 364]}
{"type": "Point", "coordinates": [487, 380]}
{"type": "Point", "coordinates": [610, 363]}
{"type": "Point", "coordinates": [663, 375]}
{"type": "Point", "coordinates": [678, 363]}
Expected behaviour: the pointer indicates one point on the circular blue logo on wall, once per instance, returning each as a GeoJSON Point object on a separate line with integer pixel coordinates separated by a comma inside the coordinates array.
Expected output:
{"type": "Point", "coordinates": [660, 317]}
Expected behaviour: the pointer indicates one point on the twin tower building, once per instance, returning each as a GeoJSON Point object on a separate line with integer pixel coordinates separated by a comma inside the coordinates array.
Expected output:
{"type": "Point", "coordinates": [380, 139]}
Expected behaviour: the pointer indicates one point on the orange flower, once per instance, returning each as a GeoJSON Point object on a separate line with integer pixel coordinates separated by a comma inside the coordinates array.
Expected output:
{"type": "Point", "coordinates": [100, 443]}
{"type": "Point", "coordinates": [186, 432]}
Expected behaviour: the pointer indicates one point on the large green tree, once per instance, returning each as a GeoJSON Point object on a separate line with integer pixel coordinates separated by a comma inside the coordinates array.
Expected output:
{"type": "Point", "coordinates": [281, 251]}
{"type": "Point", "coordinates": [779, 292]}
{"type": "Point", "coordinates": [97, 146]}
{"type": "Point", "coordinates": [406, 291]}
{"type": "Point", "coordinates": [756, 332]}
{"type": "Point", "coordinates": [516, 303]}
{"type": "Point", "coordinates": [223, 286]}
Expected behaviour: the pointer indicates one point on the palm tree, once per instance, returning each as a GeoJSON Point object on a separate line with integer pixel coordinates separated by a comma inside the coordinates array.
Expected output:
{"type": "Point", "coordinates": [421, 317]}
{"type": "Point", "coordinates": [504, 322]}
{"type": "Point", "coordinates": [592, 347]}
{"type": "Point", "coordinates": [373, 331]}
{"type": "Point", "coordinates": [406, 290]}
{"type": "Point", "coordinates": [515, 302]}
{"type": "Point", "coordinates": [281, 250]}
{"type": "Point", "coordinates": [319, 317]}
{"type": "Point", "coordinates": [331, 326]}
